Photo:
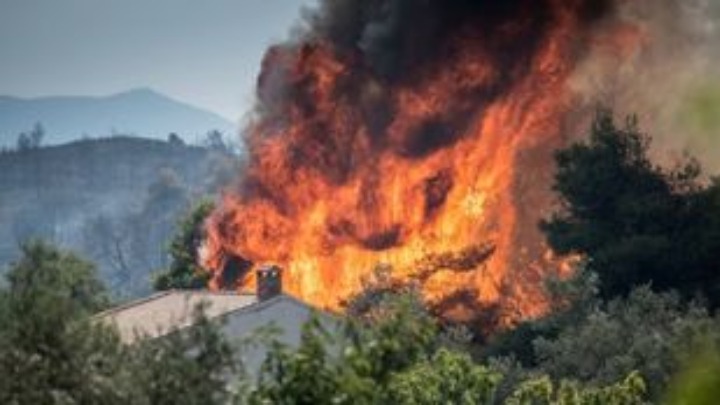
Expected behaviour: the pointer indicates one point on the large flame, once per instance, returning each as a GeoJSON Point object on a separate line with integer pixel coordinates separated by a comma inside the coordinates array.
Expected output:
{"type": "Point", "coordinates": [448, 164]}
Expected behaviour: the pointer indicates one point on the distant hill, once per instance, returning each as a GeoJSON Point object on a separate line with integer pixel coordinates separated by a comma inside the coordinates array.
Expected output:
{"type": "Point", "coordinates": [116, 201]}
{"type": "Point", "coordinates": [140, 112]}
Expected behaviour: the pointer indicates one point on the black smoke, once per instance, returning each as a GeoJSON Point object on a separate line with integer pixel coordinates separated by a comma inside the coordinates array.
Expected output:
{"type": "Point", "coordinates": [396, 36]}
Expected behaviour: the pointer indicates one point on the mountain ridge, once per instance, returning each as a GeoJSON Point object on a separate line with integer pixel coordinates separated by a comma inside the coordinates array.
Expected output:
{"type": "Point", "coordinates": [141, 111]}
{"type": "Point", "coordinates": [114, 200]}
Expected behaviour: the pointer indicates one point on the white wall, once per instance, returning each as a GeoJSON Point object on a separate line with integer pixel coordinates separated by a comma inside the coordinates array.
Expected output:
{"type": "Point", "coordinates": [284, 313]}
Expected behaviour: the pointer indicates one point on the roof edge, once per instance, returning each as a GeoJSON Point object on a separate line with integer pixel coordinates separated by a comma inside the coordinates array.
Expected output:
{"type": "Point", "coordinates": [161, 294]}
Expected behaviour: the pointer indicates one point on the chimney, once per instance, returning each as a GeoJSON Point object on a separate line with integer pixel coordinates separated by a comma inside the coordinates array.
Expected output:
{"type": "Point", "coordinates": [269, 282]}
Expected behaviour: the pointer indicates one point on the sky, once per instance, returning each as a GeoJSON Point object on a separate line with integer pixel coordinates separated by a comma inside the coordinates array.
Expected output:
{"type": "Point", "coordinates": [206, 53]}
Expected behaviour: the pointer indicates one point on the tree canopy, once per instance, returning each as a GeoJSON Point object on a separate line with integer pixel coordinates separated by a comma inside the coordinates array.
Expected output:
{"type": "Point", "coordinates": [636, 222]}
{"type": "Point", "coordinates": [184, 271]}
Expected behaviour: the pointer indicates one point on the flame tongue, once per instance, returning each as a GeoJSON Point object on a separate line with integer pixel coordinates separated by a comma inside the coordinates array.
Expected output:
{"type": "Point", "coordinates": [350, 168]}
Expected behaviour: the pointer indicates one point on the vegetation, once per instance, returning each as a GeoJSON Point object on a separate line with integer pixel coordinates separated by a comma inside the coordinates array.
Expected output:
{"type": "Point", "coordinates": [643, 298]}
{"type": "Point", "coordinates": [46, 357]}
{"type": "Point", "coordinates": [636, 222]}
{"type": "Point", "coordinates": [184, 271]}
{"type": "Point", "coordinates": [634, 325]}
{"type": "Point", "coordinates": [115, 201]}
{"type": "Point", "coordinates": [402, 357]}
{"type": "Point", "coordinates": [51, 351]}
{"type": "Point", "coordinates": [598, 342]}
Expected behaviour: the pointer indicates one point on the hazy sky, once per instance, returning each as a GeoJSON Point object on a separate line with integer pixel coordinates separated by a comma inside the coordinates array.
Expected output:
{"type": "Point", "coordinates": [205, 52]}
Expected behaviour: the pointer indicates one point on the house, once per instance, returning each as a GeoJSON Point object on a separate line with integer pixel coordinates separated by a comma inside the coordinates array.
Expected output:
{"type": "Point", "coordinates": [242, 314]}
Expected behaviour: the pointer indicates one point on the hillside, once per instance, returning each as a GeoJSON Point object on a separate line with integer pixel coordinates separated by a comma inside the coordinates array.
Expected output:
{"type": "Point", "coordinates": [114, 200]}
{"type": "Point", "coordinates": [140, 111]}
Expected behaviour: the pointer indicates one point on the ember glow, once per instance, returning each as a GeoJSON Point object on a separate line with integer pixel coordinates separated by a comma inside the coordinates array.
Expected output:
{"type": "Point", "coordinates": [436, 162]}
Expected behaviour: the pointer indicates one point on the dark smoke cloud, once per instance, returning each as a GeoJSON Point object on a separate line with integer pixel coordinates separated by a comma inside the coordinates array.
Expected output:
{"type": "Point", "coordinates": [396, 35]}
{"type": "Point", "coordinates": [672, 81]}
{"type": "Point", "coordinates": [391, 43]}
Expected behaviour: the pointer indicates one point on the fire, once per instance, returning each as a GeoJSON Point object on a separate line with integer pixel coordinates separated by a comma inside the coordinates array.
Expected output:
{"type": "Point", "coordinates": [442, 172]}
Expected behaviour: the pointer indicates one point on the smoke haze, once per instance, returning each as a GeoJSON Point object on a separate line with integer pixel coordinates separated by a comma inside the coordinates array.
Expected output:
{"type": "Point", "coordinates": [669, 75]}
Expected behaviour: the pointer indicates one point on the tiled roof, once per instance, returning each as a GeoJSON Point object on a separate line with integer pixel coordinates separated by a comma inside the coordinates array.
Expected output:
{"type": "Point", "coordinates": [166, 311]}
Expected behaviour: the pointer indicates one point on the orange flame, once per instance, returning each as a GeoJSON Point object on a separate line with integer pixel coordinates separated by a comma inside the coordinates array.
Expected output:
{"type": "Point", "coordinates": [348, 170]}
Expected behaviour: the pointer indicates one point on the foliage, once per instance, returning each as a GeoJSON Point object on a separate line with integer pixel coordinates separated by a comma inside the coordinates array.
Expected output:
{"type": "Point", "coordinates": [53, 352]}
{"type": "Point", "coordinates": [636, 222]}
{"type": "Point", "coordinates": [571, 299]}
{"type": "Point", "coordinates": [184, 271]}
{"type": "Point", "coordinates": [598, 342]}
{"type": "Point", "coordinates": [542, 391]}
{"type": "Point", "coordinates": [447, 378]}
{"type": "Point", "coordinates": [49, 353]}
{"type": "Point", "coordinates": [46, 280]}
{"type": "Point", "coordinates": [647, 332]}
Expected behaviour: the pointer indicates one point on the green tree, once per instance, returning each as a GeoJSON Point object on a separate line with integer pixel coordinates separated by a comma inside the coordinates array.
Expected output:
{"type": "Point", "coordinates": [635, 222]}
{"type": "Point", "coordinates": [49, 352]}
{"type": "Point", "coordinates": [46, 277]}
{"type": "Point", "coordinates": [184, 271]}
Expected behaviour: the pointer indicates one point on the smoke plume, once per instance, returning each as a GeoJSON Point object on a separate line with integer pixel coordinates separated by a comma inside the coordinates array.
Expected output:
{"type": "Point", "coordinates": [397, 36]}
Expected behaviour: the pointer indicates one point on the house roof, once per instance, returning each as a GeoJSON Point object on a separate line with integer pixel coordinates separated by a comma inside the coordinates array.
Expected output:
{"type": "Point", "coordinates": [166, 311]}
